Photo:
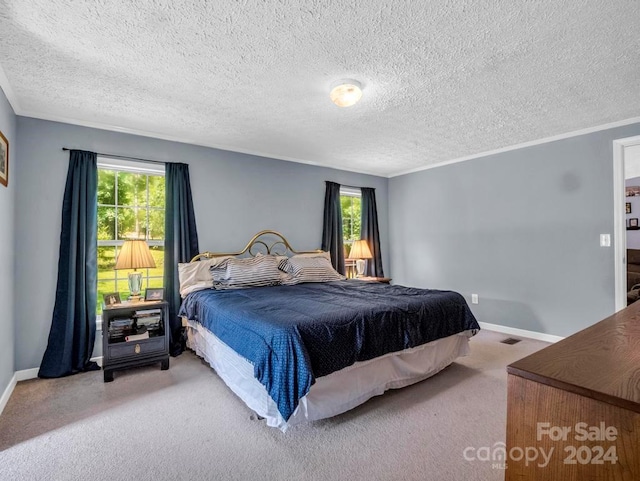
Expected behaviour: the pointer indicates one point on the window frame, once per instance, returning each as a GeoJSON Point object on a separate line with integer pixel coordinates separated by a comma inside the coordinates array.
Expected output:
{"type": "Point", "coordinates": [129, 166]}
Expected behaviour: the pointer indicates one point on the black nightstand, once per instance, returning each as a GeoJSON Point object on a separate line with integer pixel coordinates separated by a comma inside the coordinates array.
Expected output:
{"type": "Point", "coordinates": [134, 334]}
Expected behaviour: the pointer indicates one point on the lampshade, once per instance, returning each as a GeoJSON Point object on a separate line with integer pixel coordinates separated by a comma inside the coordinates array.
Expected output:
{"type": "Point", "coordinates": [346, 93]}
{"type": "Point", "coordinates": [135, 254]}
{"type": "Point", "coordinates": [360, 250]}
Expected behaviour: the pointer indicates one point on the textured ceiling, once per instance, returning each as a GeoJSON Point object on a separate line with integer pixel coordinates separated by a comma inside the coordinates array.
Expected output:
{"type": "Point", "coordinates": [442, 79]}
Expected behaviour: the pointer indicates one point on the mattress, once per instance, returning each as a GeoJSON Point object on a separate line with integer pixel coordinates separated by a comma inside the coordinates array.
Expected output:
{"type": "Point", "coordinates": [334, 393]}
{"type": "Point", "coordinates": [294, 335]}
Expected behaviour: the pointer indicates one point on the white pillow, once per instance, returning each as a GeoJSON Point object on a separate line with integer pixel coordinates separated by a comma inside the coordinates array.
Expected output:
{"type": "Point", "coordinates": [195, 276]}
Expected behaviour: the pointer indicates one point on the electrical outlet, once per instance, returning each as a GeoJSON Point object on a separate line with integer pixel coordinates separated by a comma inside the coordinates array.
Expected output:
{"type": "Point", "coordinates": [474, 298]}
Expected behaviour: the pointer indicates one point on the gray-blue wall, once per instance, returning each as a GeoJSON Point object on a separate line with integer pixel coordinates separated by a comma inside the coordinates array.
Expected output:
{"type": "Point", "coordinates": [235, 196]}
{"type": "Point", "coordinates": [8, 126]}
{"type": "Point", "coordinates": [520, 229]}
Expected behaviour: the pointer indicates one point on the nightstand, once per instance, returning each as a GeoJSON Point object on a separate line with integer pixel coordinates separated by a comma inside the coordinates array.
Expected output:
{"type": "Point", "coordinates": [134, 334]}
{"type": "Point", "coordinates": [383, 280]}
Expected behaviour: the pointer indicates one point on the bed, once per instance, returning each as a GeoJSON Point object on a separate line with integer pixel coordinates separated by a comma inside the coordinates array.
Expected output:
{"type": "Point", "coordinates": [303, 351]}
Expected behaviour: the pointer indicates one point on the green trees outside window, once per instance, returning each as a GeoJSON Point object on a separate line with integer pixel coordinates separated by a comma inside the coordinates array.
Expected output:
{"type": "Point", "coordinates": [350, 219]}
{"type": "Point", "coordinates": [130, 206]}
{"type": "Point", "coordinates": [351, 205]}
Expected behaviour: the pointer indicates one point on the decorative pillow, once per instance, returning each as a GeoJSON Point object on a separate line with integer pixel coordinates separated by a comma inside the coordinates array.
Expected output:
{"type": "Point", "coordinates": [238, 273]}
{"type": "Point", "coordinates": [310, 269]}
{"type": "Point", "coordinates": [282, 260]}
{"type": "Point", "coordinates": [195, 276]}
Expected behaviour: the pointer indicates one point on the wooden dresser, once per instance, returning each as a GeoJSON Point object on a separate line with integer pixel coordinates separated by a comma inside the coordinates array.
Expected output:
{"type": "Point", "coordinates": [575, 406]}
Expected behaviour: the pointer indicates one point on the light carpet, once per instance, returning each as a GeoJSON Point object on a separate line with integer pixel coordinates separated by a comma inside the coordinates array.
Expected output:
{"type": "Point", "coordinates": [186, 424]}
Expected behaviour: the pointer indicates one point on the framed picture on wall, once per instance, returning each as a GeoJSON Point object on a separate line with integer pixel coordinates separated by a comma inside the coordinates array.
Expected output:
{"type": "Point", "coordinates": [4, 160]}
{"type": "Point", "coordinates": [628, 207]}
{"type": "Point", "coordinates": [633, 222]}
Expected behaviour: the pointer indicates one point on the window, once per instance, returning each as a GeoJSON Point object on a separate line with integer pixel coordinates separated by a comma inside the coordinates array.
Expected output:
{"type": "Point", "coordinates": [130, 205]}
{"type": "Point", "coordinates": [350, 201]}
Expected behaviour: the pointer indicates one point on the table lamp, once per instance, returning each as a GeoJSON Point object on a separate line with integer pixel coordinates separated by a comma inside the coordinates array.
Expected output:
{"type": "Point", "coordinates": [360, 251]}
{"type": "Point", "coordinates": [134, 254]}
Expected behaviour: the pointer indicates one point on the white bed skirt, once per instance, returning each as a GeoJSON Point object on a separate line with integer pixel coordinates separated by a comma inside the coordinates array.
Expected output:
{"type": "Point", "coordinates": [335, 393]}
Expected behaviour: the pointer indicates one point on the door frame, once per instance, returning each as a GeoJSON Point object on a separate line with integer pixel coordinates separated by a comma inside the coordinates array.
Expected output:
{"type": "Point", "coordinates": [619, 220]}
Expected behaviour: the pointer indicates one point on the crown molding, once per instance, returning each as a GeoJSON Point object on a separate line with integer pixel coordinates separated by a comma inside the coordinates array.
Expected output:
{"type": "Point", "coordinates": [8, 92]}
{"type": "Point", "coordinates": [186, 140]}
{"type": "Point", "coordinates": [545, 140]}
{"type": "Point", "coordinates": [183, 140]}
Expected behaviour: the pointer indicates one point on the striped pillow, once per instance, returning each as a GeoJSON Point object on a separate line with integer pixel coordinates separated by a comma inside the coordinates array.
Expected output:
{"type": "Point", "coordinates": [237, 273]}
{"type": "Point", "coordinates": [310, 269]}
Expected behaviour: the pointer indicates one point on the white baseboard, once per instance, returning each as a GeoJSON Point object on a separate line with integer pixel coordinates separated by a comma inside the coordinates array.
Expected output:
{"type": "Point", "coordinates": [7, 393]}
{"type": "Point", "coordinates": [26, 374]}
{"type": "Point", "coordinates": [539, 336]}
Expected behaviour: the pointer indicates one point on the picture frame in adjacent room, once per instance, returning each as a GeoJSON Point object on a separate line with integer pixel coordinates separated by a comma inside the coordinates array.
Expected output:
{"type": "Point", "coordinates": [4, 160]}
{"type": "Point", "coordinates": [632, 190]}
{"type": "Point", "coordinates": [633, 222]}
{"type": "Point", "coordinates": [112, 298]}
{"type": "Point", "coordinates": [628, 207]}
{"type": "Point", "coordinates": [154, 294]}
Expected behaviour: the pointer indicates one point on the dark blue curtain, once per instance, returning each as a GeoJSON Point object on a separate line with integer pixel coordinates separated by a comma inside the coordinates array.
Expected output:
{"type": "Point", "coordinates": [73, 327]}
{"type": "Point", "coordinates": [180, 243]}
{"type": "Point", "coordinates": [332, 226]}
{"type": "Point", "coordinates": [369, 231]}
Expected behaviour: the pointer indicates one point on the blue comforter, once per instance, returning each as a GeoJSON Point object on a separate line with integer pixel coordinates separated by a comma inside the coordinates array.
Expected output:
{"type": "Point", "coordinates": [294, 334]}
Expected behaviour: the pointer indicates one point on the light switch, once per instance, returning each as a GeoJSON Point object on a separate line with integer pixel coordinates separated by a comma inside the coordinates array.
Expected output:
{"type": "Point", "coordinates": [605, 240]}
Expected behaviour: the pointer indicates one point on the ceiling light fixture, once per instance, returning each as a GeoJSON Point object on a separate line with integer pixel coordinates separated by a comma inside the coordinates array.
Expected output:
{"type": "Point", "coordinates": [346, 93]}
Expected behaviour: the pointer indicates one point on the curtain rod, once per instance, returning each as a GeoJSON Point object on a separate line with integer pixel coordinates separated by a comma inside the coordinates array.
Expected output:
{"type": "Point", "coordinates": [123, 157]}
{"type": "Point", "coordinates": [351, 186]}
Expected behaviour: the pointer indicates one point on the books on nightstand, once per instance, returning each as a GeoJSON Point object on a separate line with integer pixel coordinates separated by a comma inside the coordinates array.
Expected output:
{"type": "Point", "coordinates": [150, 319]}
{"type": "Point", "coordinates": [141, 324]}
{"type": "Point", "coordinates": [119, 328]}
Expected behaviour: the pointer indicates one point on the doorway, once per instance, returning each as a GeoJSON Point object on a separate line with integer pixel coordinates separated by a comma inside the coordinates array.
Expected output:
{"type": "Point", "coordinates": [626, 164]}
